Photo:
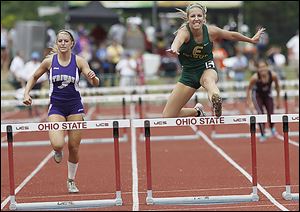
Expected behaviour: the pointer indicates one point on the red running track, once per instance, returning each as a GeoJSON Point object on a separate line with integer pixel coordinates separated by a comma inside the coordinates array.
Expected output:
{"type": "Point", "coordinates": [179, 168]}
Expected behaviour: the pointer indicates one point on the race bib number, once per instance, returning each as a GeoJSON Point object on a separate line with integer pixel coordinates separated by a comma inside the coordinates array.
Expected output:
{"type": "Point", "coordinates": [210, 64]}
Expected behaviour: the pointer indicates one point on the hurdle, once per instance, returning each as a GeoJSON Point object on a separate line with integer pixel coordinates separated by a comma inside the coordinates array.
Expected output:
{"type": "Point", "coordinates": [78, 125]}
{"type": "Point", "coordinates": [195, 121]}
{"type": "Point", "coordinates": [285, 119]}
{"type": "Point", "coordinates": [162, 97]}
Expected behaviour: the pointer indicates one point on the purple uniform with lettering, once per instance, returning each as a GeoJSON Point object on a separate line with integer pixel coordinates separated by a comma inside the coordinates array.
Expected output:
{"type": "Point", "coordinates": [262, 96]}
{"type": "Point", "coordinates": [64, 93]}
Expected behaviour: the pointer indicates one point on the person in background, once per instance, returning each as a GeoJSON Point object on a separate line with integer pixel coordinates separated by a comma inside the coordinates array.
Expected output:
{"type": "Point", "coordinates": [30, 67]}
{"type": "Point", "coordinates": [193, 44]}
{"type": "Point", "coordinates": [96, 66]}
{"type": "Point", "coordinates": [293, 52]}
{"type": "Point", "coordinates": [64, 69]}
{"type": "Point", "coordinates": [114, 53]}
{"type": "Point", "coordinates": [127, 70]}
{"type": "Point", "coordinates": [16, 68]}
{"type": "Point", "coordinates": [239, 66]}
{"type": "Point", "coordinates": [277, 60]}
{"type": "Point", "coordinates": [4, 48]}
{"type": "Point", "coordinates": [219, 55]}
{"type": "Point", "coordinates": [259, 94]}
{"type": "Point", "coordinates": [262, 44]}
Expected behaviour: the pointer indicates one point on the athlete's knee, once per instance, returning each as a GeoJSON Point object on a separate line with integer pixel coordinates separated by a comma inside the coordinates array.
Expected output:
{"type": "Point", "coordinates": [57, 146]}
{"type": "Point", "coordinates": [73, 149]}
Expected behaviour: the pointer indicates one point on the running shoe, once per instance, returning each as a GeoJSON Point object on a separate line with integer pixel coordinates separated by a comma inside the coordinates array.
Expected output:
{"type": "Point", "coordinates": [217, 104]}
{"type": "Point", "coordinates": [199, 108]}
{"type": "Point", "coordinates": [262, 138]}
{"type": "Point", "coordinates": [58, 156]}
{"type": "Point", "coordinates": [72, 186]}
{"type": "Point", "coordinates": [273, 131]}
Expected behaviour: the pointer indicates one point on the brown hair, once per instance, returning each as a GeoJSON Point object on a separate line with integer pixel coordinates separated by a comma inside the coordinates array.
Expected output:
{"type": "Point", "coordinates": [68, 32]}
{"type": "Point", "coordinates": [54, 49]}
{"type": "Point", "coordinates": [261, 60]}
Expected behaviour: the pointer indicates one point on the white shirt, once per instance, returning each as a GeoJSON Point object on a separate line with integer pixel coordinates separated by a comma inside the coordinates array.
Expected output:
{"type": "Point", "coordinates": [29, 69]}
{"type": "Point", "coordinates": [4, 37]}
{"type": "Point", "coordinates": [127, 67]}
{"type": "Point", "coordinates": [293, 44]}
{"type": "Point", "coordinates": [16, 66]}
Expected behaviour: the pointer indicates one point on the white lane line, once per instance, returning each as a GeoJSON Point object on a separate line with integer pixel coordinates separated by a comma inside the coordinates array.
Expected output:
{"type": "Point", "coordinates": [135, 193]}
{"type": "Point", "coordinates": [28, 178]}
{"type": "Point", "coordinates": [238, 167]}
{"type": "Point", "coordinates": [281, 138]}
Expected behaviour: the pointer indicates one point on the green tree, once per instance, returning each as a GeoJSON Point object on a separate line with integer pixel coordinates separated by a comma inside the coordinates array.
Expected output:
{"type": "Point", "coordinates": [280, 18]}
{"type": "Point", "coordinates": [13, 11]}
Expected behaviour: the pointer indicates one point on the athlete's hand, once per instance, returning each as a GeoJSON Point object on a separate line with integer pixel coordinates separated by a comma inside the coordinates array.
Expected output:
{"type": "Point", "coordinates": [173, 51]}
{"type": "Point", "coordinates": [251, 107]}
{"type": "Point", "coordinates": [91, 75]}
{"type": "Point", "coordinates": [256, 37]}
{"type": "Point", "coordinates": [27, 99]}
{"type": "Point", "coordinates": [278, 103]}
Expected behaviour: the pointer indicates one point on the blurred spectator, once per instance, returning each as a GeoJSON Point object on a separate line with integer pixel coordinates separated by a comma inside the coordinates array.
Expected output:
{"type": "Point", "coordinates": [249, 49]}
{"type": "Point", "coordinates": [276, 60]}
{"type": "Point", "coordinates": [140, 68]}
{"type": "Point", "coordinates": [98, 35]}
{"type": "Point", "coordinates": [239, 66]}
{"type": "Point", "coordinates": [127, 70]}
{"type": "Point", "coordinates": [4, 49]}
{"type": "Point", "coordinates": [169, 68]}
{"type": "Point", "coordinates": [96, 66]}
{"type": "Point", "coordinates": [30, 67]}
{"type": "Point", "coordinates": [12, 42]}
{"type": "Point", "coordinates": [77, 48]}
{"type": "Point", "coordinates": [161, 44]}
{"type": "Point", "coordinates": [219, 55]}
{"type": "Point", "coordinates": [114, 53]}
{"type": "Point", "coordinates": [16, 68]}
{"type": "Point", "coordinates": [293, 52]}
{"type": "Point", "coordinates": [117, 32]}
{"type": "Point", "coordinates": [262, 44]}
{"type": "Point", "coordinates": [229, 45]}
{"type": "Point", "coordinates": [134, 38]}
{"type": "Point", "coordinates": [51, 35]}
{"type": "Point", "coordinates": [105, 64]}
{"type": "Point", "coordinates": [170, 33]}
{"type": "Point", "coordinates": [150, 37]}
{"type": "Point", "coordinates": [85, 45]}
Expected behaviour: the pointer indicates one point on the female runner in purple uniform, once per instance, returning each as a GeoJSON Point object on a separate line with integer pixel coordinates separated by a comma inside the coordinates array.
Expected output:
{"type": "Point", "coordinates": [64, 69]}
{"type": "Point", "coordinates": [259, 94]}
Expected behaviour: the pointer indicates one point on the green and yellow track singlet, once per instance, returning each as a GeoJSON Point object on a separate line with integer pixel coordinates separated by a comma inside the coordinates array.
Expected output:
{"type": "Point", "coordinates": [195, 58]}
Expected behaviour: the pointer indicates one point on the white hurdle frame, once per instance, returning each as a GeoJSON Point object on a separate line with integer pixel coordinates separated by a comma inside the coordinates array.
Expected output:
{"type": "Point", "coordinates": [285, 119]}
{"type": "Point", "coordinates": [188, 121]}
{"type": "Point", "coordinates": [78, 125]}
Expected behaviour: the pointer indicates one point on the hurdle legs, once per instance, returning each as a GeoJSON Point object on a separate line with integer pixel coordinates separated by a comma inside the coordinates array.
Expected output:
{"type": "Point", "coordinates": [287, 194]}
{"type": "Point", "coordinates": [63, 205]}
{"type": "Point", "coordinates": [229, 199]}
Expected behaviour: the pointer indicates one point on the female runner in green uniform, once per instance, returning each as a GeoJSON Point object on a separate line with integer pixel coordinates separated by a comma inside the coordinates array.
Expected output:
{"type": "Point", "coordinates": [193, 44]}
